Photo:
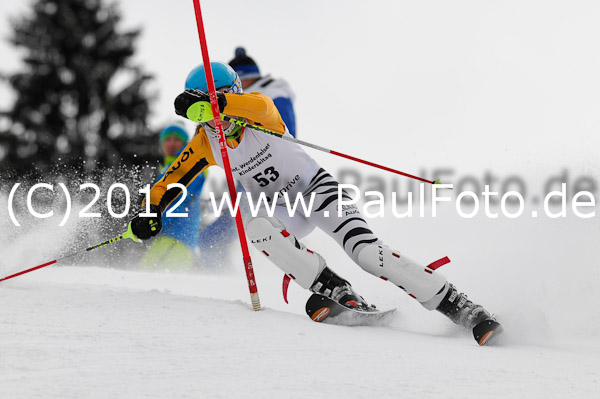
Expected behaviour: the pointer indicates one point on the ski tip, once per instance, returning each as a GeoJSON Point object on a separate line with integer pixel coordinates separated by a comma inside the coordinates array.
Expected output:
{"type": "Point", "coordinates": [486, 332]}
{"type": "Point", "coordinates": [436, 181]}
{"type": "Point", "coordinates": [320, 314]}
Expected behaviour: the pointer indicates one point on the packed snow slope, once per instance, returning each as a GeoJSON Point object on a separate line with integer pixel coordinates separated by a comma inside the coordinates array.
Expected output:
{"type": "Point", "coordinates": [97, 332]}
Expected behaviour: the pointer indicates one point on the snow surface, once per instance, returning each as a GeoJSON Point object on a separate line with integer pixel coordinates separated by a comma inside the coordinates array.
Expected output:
{"type": "Point", "coordinates": [97, 332]}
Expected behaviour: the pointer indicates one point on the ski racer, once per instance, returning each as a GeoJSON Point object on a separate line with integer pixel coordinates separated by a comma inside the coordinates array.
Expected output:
{"type": "Point", "coordinates": [266, 164]}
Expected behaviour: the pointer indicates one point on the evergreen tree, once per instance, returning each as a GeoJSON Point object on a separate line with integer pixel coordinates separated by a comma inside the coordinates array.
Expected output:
{"type": "Point", "coordinates": [78, 96]}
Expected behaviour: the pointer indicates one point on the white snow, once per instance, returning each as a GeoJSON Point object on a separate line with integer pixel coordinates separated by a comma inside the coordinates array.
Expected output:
{"type": "Point", "coordinates": [72, 332]}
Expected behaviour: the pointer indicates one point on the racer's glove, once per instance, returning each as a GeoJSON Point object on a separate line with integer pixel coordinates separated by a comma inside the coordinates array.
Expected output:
{"type": "Point", "coordinates": [195, 105]}
{"type": "Point", "coordinates": [145, 227]}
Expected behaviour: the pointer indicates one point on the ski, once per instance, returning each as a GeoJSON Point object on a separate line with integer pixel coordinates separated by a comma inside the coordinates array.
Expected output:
{"type": "Point", "coordinates": [321, 308]}
{"type": "Point", "coordinates": [486, 332]}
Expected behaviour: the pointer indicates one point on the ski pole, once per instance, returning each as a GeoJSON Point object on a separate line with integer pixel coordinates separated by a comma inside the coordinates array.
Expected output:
{"type": "Point", "coordinates": [127, 234]}
{"type": "Point", "coordinates": [223, 146]}
{"type": "Point", "coordinates": [327, 150]}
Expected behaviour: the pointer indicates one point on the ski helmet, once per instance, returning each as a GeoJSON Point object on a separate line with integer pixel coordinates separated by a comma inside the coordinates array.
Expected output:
{"type": "Point", "coordinates": [226, 79]}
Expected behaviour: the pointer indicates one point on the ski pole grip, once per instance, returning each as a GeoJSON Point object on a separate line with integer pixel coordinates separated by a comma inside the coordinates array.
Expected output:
{"type": "Point", "coordinates": [200, 112]}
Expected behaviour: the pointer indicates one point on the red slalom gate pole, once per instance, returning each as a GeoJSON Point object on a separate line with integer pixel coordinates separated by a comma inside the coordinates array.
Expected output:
{"type": "Point", "coordinates": [223, 147]}
{"type": "Point", "coordinates": [31, 269]}
{"type": "Point", "coordinates": [127, 234]}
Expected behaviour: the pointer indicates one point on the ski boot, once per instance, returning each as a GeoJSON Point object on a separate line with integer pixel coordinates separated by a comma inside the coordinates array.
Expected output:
{"type": "Point", "coordinates": [331, 285]}
{"type": "Point", "coordinates": [458, 308]}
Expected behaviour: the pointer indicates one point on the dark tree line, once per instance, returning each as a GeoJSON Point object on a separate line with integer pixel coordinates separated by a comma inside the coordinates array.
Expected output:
{"type": "Point", "coordinates": [80, 102]}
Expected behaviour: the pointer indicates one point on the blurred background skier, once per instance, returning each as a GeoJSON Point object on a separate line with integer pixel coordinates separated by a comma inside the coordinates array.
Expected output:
{"type": "Point", "coordinates": [193, 241]}
{"type": "Point", "coordinates": [177, 247]}
{"type": "Point", "coordinates": [277, 89]}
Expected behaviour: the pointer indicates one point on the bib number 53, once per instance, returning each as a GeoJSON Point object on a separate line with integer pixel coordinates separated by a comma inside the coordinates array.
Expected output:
{"type": "Point", "coordinates": [267, 176]}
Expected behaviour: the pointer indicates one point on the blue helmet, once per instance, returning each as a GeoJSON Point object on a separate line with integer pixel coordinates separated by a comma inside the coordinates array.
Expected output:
{"type": "Point", "coordinates": [226, 79]}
